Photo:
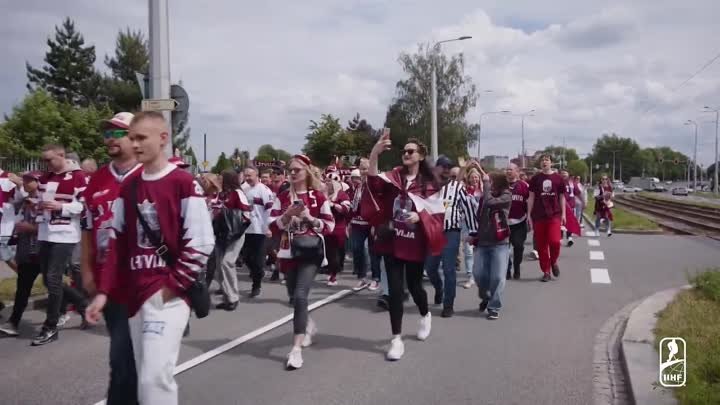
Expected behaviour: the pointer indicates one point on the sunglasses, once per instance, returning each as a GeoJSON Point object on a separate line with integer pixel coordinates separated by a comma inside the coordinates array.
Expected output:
{"type": "Point", "coordinates": [115, 133]}
{"type": "Point", "coordinates": [409, 151]}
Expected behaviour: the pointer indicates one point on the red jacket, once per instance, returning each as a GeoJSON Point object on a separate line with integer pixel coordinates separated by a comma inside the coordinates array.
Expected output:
{"type": "Point", "coordinates": [99, 197]}
{"type": "Point", "coordinates": [172, 203]}
{"type": "Point", "coordinates": [340, 206]}
{"type": "Point", "coordinates": [410, 242]}
{"type": "Point", "coordinates": [318, 206]}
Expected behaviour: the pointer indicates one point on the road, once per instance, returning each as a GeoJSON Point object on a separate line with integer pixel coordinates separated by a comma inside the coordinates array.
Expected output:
{"type": "Point", "coordinates": [539, 351]}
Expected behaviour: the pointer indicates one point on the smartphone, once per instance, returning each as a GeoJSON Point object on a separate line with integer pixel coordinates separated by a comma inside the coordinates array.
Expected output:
{"type": "Point", "coordinates": [298, 203]}
{"type": "Point", "coordinates": [386, 132]}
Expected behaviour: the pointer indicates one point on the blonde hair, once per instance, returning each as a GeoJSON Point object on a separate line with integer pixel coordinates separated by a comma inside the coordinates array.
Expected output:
{"type": "Point", "coordinates": [312, 180]}
{"type": "Point", "coordinates": [470, 168]}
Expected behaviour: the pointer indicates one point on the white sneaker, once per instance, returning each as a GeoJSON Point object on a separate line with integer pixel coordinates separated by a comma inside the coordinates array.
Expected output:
{"type": "Point", "coordinates": [332, 283]}
{"type": "Point", "coordinates": [374, 286]}
{"type": "Point", "coordinates": [535, 254]}
{"type": "Point", "coordinates": [469, 283]}
{"type": "Point", "coordinates": [425, 326]}
{"type": "Point", "coordinates": [609, 234]}
{"type": "Point", "coordinates": [570, 242]}
{"type": "Point", "coordinates": [294, 359]}
{"type": "Point", "coordinates": [361, 285]}
{"type": "Point", "coordinates": [397, 349]}
{"type": "Point", "coordinates": [310, 332]}
{"type": "Point", "coordinates": [63, 320]}
{"type": "Point", "coordinates": [9, 329]}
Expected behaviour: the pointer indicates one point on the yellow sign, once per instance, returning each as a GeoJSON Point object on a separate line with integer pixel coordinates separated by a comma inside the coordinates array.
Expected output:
{"type": "Point", "coordinates": [206, 164]}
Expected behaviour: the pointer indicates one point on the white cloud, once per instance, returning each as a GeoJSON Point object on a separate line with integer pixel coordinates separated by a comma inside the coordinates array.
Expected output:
{"type": "Point", "coordinates": [258, 72]}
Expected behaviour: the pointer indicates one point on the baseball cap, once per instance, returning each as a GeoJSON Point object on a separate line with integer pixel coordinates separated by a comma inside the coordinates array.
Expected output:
{"type": "Point", "coordinates": [444, 161]}
{"type": "Point", "coordinates": [120, 120]}
{"type": "Point", "coordinates": [355, 173]}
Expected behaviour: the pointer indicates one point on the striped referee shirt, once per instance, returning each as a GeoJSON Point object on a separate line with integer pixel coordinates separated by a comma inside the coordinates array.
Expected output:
{"type": "Point", "coordinates": [459, 207]}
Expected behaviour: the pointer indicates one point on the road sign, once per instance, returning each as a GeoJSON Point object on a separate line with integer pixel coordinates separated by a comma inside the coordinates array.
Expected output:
{"type": "Point", "coordinates": [206, 164]}
{"type": "Point", "coordinates": [159, 104]}
{"type": "Point", "coordinates": [180, 113]}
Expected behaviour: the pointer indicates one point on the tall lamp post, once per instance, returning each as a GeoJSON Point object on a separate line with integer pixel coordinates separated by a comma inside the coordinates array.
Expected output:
{"type": "Point", "coordinates": [522, 132]}
{"type": "Point", "coordinates": [480, 126]}
{"type": "Point", "coordinates": [715, 174]}
{"type": "Point", "coordinates": [433, 90]}
{"type": "Point", "coordinates": [691, 122]}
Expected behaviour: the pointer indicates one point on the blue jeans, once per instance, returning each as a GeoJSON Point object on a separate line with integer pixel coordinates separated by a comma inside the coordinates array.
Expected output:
{"type": "Point", "coordinates": [358, 237]}
{"type": "Point", "coordinates": [467, 251]}
{"type": "Point", "coordinates": [490, 267]}
{"type": "Point", "coordinates": [448, 258]}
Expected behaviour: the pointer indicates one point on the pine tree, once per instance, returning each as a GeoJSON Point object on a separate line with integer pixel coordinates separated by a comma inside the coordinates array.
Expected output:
{"type": "Point", "coordinates": [131, 56]}
{"type": "Point", "coordinates": [68, 74]}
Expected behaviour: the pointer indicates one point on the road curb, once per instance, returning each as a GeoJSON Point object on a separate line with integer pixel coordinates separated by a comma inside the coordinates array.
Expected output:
{"type": "Point", "coordinates": [624, 231]}
{"type": "Point", "coordinates": [610, 385]}
{"type": "Point", "coordinates": [639, 354]}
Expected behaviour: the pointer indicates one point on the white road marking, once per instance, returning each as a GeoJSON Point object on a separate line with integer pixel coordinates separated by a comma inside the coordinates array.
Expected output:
{"type": "Point", "coordinates": [248, 336]}
{"type": "Point", "coordinates": [599, 276]}
{"type": "Point", "coordinates": [597, 255]}
{"type": "Point", "coordinates": [591, 233]}
{"type": "Point", "coordinates": [593, 242]}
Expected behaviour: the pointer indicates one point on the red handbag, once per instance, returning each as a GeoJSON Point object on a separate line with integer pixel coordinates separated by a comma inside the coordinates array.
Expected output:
{"type": "Point", "coordinates": [502, 230]}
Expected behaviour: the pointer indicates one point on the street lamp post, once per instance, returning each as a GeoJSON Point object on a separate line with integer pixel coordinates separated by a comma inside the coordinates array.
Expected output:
{"type": "Point", "coordinates": [433, 90]}
{"type": "Point", "coordinates": [614, 152]}
{"type": "Point", "coordinates": [715, 174]}
{"type": "Point", "coordinates": [480, 126]}
{"type": "Point", "coordinates": [522, 132]}
{"type": "Point", "coordinates": [691, 122]}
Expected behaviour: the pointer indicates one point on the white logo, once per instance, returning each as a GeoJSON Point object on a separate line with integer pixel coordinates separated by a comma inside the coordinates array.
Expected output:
{"type": "Point", "coordinates": [673, 362]}
{"type": "Point", "coordinates": [547, 186]}
{"type": "Point", "coordinates": [147, 210]}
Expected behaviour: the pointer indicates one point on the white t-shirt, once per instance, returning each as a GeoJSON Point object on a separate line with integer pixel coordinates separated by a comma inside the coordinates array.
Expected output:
{"type": "Point", "coordinates": [261, 200]}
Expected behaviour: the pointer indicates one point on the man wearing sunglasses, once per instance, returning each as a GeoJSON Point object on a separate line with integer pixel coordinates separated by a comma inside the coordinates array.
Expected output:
{"type": "Point", "coordinates": [99, 197]}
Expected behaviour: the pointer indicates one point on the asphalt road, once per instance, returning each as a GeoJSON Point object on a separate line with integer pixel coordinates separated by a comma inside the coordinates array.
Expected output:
{"type": "Point", "coordinates": [538, 352]}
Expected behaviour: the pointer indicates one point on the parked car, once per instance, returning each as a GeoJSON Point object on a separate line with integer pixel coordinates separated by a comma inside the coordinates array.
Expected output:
{"type": "Point", "coordinates": [631, 189]}
{"type": "Point", "coordinates": [680, 191]}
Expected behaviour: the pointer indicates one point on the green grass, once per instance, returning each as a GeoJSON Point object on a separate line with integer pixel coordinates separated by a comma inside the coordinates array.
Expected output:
{"type": "Point", "coordinates": [694, 315]}
{"type": "Point", "coordinates": [624, 220]}
{"type": "Point", "coordinates": [707, 194]}
{"type": "Point", "coordinates": [8, 286]}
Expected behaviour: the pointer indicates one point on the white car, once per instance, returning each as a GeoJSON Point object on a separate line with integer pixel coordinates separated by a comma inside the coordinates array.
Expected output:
{"type": "Point", "coordinates": [680, 191]}
{"type": "Point", "coordinates": [631, 189]}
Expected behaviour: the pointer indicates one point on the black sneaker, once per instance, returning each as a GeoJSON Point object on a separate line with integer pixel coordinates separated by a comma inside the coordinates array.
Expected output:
{"type": "Point", "coordinates": [275, 276]}
{"type": "Point", "coordinates": [255, 292]}
{"type": "Point", "coordinates": [546, 277]}
{"type": "Point", "coordinates": [570, 242]}
{"type": "Point", "coordinates": [447, 312]}
{"type": "Point", "coordinates": [291, 301]}
{"type": "Point", "coordinates": [406, 297]}
{"type": "Point", "coordinates": [383, 302]}
{"type": "Point", "coordinates": [516, 274]}
{"type": "Point", "coordinates": [45, 336]}
{"type": "Point", "coordinates": [438, 297]}
{"type": "Point", "coordinates": [556, 270]}
{"type": "Point", "coordinates": [493, 315]}
{"type": "Point", "coordinates": [483, 305]}
{"type": "Point", "coordinates": [227, 306]}
{"type": "Point", "coordinates": [508, 275]}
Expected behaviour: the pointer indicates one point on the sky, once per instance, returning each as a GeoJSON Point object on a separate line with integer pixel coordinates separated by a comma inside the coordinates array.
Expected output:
{"type": "Point", "coordinates": [258, 72]}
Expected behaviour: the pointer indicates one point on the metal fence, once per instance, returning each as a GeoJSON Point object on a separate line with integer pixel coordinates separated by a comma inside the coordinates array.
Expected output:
{"type": "Point", "coordinates": [17, 165]}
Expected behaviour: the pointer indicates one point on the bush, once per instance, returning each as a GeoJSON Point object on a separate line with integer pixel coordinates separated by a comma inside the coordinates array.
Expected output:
{"type": "Point", "coordinates": [708, 284]}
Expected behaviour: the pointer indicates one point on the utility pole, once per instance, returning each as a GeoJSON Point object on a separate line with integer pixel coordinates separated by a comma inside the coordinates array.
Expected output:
{"type": "Point", "coordinates": [159, 46]}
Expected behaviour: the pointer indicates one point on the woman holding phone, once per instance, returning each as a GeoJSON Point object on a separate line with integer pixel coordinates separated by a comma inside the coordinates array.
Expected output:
{"type": "Point", "coordinates": [302, 216]}
{"type": "Point", "coordinates": [413, 213]}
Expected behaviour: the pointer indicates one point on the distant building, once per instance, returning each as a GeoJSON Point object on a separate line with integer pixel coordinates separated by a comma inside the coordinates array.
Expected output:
{"type": "Point", "coordinates": [496, 162]}
{"type": "Point", "coordinates": [529, 159]}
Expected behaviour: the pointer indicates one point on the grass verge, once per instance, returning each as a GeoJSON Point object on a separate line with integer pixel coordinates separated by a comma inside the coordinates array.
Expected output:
{"type": "Point", "coordinates": [8, 286]}
{"type": "Point", "coordinates": [695, 316]}
{"type": "Point", "coordinates": [691, 203]}
{"type": "Point", "coordinates": [625, 220]}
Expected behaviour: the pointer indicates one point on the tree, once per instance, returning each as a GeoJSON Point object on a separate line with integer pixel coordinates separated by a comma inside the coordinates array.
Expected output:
{"type": "Point", "coordinates": [131, 56]}
{"type": "Point", "coordinates": [68, 74]}
{"type": "Point", "coordinates": [558, 153]}
{"type": "Point", "coordinates": [578, 168]}
{"type": "Point", "coordinates": [321, 141]}
{"type": "Point", "coordinates": [267, 153]}
{"type": "Point", "coordinates": [223, 163]}
{"type": "Point", "coordinates": [40, 119]}
{"type": "Point", "coordinates": [409, 114]}
{"type": "Point", "coordinates": [360, 139]}
{"type": "Point", "coordinates": [627, 152]}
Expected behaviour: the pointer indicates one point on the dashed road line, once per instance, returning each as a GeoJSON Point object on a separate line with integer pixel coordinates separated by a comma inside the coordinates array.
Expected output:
{"type": "Point", "coordinates": [591, 233]}
{"type": "Point", "coordinates": [600, 276]}
{"type": "Point", "coordinates": [597, 255]}
{"type": "Point", "coordinates": [593, 242]}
